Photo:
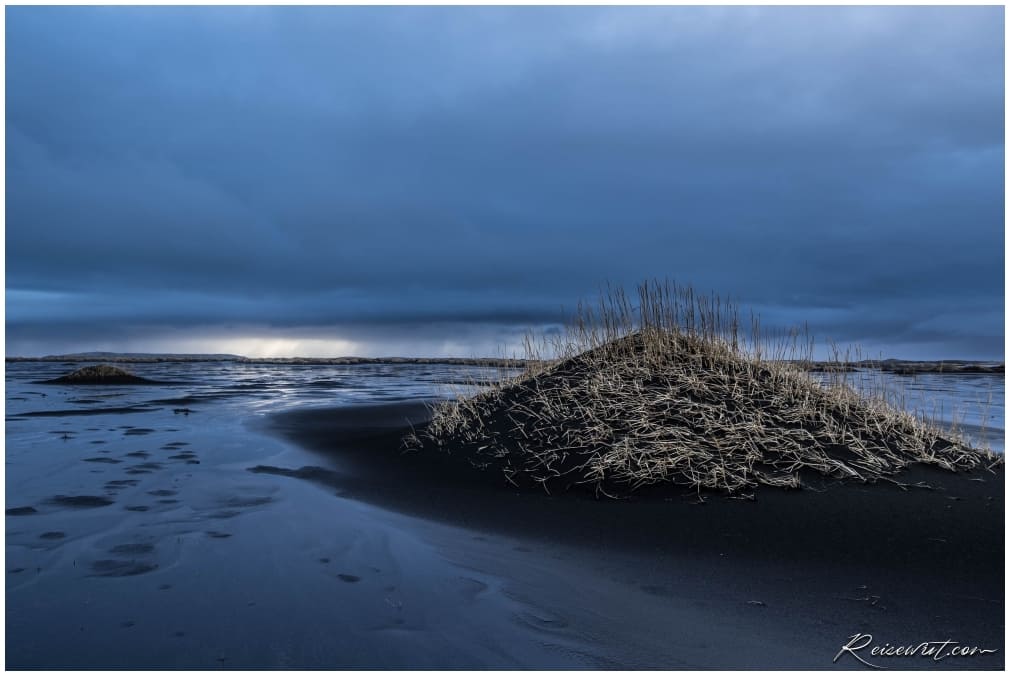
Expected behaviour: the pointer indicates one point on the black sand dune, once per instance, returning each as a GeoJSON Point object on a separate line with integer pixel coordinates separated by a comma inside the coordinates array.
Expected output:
{"type": "Point", "coordinates": [663, 408]}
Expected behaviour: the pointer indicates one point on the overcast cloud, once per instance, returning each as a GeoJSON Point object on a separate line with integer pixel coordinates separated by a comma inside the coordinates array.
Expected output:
{"type": "Point", "coordinates": [414, 180]}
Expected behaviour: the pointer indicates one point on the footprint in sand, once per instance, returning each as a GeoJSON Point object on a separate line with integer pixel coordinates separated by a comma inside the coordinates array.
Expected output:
{"type": "Point", "coordinates": [121, 568]}
{"type": "Point", "coordinates": [130, 558]}
{"type": "Point", "coordinates": [143, 468]}
{"type": "Point", "coordinates": [80, 501]}
{"type": "Point", "coordinates": [132, 549]}
{"type": "Point", "coordinates": [137, 431]}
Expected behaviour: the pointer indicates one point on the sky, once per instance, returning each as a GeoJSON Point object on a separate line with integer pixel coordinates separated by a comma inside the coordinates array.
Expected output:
{"type": "Point", "coordinates": [325, 181]}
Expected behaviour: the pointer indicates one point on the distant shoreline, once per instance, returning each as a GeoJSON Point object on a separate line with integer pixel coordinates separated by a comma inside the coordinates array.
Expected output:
{"type": "Point", "coordinates": [896, 366]}
{"type": "Point", "coordinates": [321, 361]}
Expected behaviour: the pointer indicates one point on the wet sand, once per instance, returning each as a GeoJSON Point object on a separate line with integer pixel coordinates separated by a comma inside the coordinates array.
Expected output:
{"type": "Point", "coordinates": [154, 562]}
{"type": "Point", "coordinates": [669, 580]}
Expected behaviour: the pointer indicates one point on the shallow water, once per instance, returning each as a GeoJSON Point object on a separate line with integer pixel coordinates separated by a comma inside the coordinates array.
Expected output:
{"type": "Point", "coordinates": [136, 536]}
{"type": "Point", "coordinates": [973, 404]}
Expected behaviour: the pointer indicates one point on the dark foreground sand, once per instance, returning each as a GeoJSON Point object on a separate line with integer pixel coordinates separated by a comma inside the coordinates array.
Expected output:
{"type": "Point", "coordinates": [668, 581]}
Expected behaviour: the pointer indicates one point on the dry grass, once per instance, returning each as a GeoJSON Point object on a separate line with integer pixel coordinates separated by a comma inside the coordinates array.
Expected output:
{"type": "Point", "coordinates": [671, 389]}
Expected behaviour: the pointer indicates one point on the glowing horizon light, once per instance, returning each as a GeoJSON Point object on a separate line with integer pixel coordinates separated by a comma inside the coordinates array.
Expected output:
{"type": "Point", "coordinates": [260, 347]}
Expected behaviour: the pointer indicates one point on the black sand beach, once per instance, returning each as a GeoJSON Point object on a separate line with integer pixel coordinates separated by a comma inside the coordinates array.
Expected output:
{"type": "Point", "coordinates": [669, 580]}
{"type": "Point", "coordinates": [445, 338]}
{"type": "Point", "coordinates": [278, 524]}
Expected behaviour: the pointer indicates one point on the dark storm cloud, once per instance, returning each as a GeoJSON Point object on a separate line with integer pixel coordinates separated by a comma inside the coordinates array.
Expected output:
{"type": "Point", "coordinates": [388, 172]}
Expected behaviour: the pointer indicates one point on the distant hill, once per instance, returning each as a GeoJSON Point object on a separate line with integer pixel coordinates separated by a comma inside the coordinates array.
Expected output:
{"type": "Point", "coordinates": [135, 357]}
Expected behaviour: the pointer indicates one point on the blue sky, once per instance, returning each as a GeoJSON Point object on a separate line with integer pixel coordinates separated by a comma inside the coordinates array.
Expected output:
{"type": "Point", "coordinates": [424, 181]}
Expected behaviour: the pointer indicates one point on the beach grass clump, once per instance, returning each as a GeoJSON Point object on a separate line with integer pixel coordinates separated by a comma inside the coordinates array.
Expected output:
{"type": "Point", "coordinates": [673, 390]}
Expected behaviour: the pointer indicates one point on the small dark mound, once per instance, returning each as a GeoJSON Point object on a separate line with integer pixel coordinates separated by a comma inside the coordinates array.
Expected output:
{"type": "Point", "coordinates": [103, 374]}
{"type": "Point", "coordinates": [21, 511]}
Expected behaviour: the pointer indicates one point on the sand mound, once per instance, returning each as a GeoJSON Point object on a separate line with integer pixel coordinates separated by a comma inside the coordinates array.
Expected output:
{"type": "Point", "coordinates": [665, 404]}
{"type": "Point", "coordinates": [102, 374]}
